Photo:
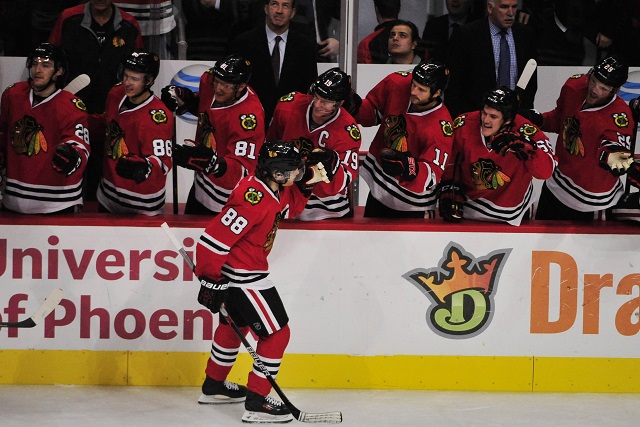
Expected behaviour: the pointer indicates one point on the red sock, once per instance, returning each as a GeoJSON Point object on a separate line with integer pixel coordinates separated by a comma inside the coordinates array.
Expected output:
{"type": "Point", "coordinates": [224, 351]}
{"type": "Point", "coordinates": [270, 350]}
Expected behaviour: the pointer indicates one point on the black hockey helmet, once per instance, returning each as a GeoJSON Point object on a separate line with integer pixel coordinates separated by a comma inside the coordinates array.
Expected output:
{"type": "Point", "coordinates": [53, 53]}
{"type": "Point", "coordinates": [334, 85]}
{"type": "Point", "coordinates": [142, 62]}
{"type": "Point", "coordinates": [504, 100]}
{"type": "Point", "coordinates": [433, 74]}
{"type": "Point", "coordinates": [611, 71]}
{"type": "Point", "coordinates": [279, 157]}
{"type": "Point", "coordinates": [233, 69]}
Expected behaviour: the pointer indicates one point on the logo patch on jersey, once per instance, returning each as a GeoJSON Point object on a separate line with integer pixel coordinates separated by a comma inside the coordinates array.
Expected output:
{"type": "Point", "coordinates": [118, 41]}
{"type": "Point", "coordinates": [395, 133]}
{"type": "Point", "coordinates": [621, 120]}
{"type": "Point", "coordinates": [79, 103]}
{"type": "Point", "coordinates": [572, 137]}
{"type": "Point", "coordinates": [253, 196]}
{"type": "Point", "coordinates": [304, 146]}
{"type": "Point", "coordinates": [204, 132]}
{"type": "Point", "coordinates": [354, 132]}
{"type": "Point", "coordinates": [447, 128]}
{"type": "Point", "coordinates": [459, 121]}
{"type": "Point", "coordinates": [288, 97]}
{"type": "Point", "coordinates": [27, 137]}
{"type": "Point", "coordinates": [248, 121]}
{"type": "Point", "coordinates": [528, 129]}
{"type": "Point", "coordinates": [271, 236]}
{"type": "Point", "coordinates": [576, 76]}
{"type": "Point", "coordinates": [487, 175]}
{"type": "Point", "coordinates": [403, 73]}
{"type": "Point", "coordinates": [461, 289]}
{"type": "Point", "coordinates": [116, 146]}
{"type": "Point", "coordinates": [158, 116]}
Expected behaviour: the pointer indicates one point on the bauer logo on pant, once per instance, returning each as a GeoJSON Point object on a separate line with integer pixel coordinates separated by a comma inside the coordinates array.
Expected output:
{"type": "Point", "coordinates": [461, 290]}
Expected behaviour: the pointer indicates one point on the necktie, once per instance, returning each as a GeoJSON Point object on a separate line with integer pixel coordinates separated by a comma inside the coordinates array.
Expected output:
{"type": "Point", "coordinates": [275, 59]}
{"type": "Point", "coordinates": [454, 26]}
{"type": "Point", "coordinates": [504, 62]}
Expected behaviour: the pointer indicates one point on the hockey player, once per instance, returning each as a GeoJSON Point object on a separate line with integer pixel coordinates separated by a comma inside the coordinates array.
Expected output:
{"type": "Point", "coordinates": [324, 132]}
{"type": "Point", "coordinates": [412, 145]}
{"type": "Point", "coordinates": [229, 133]}
{"type": "Point", "coordinates": [496, 154]}
{"type": "Point", "coordinates": [43, 138]}
{"type": "Point", "coordinates": [232, 269]}
{"type": "Point", "coordinates": [594, 128]}
{"type": "Point", "coordinates": [139, 134]}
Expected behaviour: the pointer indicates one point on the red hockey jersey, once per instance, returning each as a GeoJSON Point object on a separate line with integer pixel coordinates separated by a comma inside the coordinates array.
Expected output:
{"type": "Point", "coordinates": [236, 243]}
{"type": "Point", "coordinates": [497, 188]}
{"type": "Point", "coordinates": [146, 131]}
{"type": "Point", "coordinates": [578, 181]}
{"type": "Point", "coordinates": [236, 132]}
{"type": "Point", "coordinates": [28, 139]}
{"type": "Point", "coordinates": [341, 133]}
{"type": "Point", "coordinates": [427, 135]}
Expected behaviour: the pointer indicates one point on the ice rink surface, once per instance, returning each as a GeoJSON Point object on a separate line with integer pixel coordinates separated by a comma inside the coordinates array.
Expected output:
{"type": "Point", "coordinates": [90, 406]}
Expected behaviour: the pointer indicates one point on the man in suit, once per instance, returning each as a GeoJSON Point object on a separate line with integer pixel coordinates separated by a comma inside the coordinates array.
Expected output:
{"type": "Point", "coordinates": [474, 57]}
{"type": "Point", "coordinates": [298, 67]}
{"type": "Point", "coordinates": [438, 29]}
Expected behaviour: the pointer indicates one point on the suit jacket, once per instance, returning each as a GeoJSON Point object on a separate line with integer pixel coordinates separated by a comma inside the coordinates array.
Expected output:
{"type": "Point", "coordinates": [473, 71]}
{"type": "Point", "coordinates": [299, 67]}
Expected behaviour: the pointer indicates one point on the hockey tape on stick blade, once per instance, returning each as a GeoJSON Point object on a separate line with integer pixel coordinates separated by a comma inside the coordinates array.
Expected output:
{"type": "Point", "coordinates": [528, 71]}
{"type": "Point", "coordinates": [47, 307]}
{"type": "Point", "coordinates": [77, 84]}
{"type": "Point", "coordinates": [305, 417]}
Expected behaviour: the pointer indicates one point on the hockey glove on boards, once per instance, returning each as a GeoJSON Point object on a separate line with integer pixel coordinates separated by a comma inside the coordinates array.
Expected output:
{"type": "Point", "coordinates": [312, 175]}
{"type": "Point", "coordinates": [66, 159]}
{"type": "Point", "coordinates": [519, 144]}
{"type": "Point", "coordinates": [451, 201]}
{"type": "Point", "coordinates": [198, 158]}
{"type": "Point", "coordinates": [633, 174]}
{"type": "Point", "coordinates": [329, 159]}
{"type": "Point", "coordinates": [133, 167]}
{"type": "Point", "coordinates": [399, 164]}
{"type": "Point", "coordinates": [212, 292]}
{"type": "Point", "coordinates": [615, 160]}
{"type": "Point", "coordinates": [180, 99]}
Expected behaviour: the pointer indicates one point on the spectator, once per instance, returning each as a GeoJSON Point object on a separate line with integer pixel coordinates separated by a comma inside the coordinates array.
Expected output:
{"type": "Point", "coordinates": [321, 20]}
{"type": "Point", "coordinates": [374, 48]}
{"type": "Point", "coordinates": [410, 149]}
{"type": "Point", "coordinates": [437, 31]}
{"type": "Point", "coordinates": [44, 140]}
{"type": "Point", "coordinates": [560, 38]}
{"type": "Point", "coordinates": [475, 58]}
{"type": "Point", "coordinates": [296, 65]}
{"type": "Point", "coordinates": [44, 14]}
{"type": "Point", "coordinates": [156, 21]}
{"type": "Point", "coordinates": [139, 136]}
{"type": "Point", "coordinates": [403, 43]}
{"type": "Point", "coordinates": [229, 133]}
{"type": "Point", "coordinates": [496, 155]}
{"type": "Point", "coordinates": [594, 127]}
{"type": "Point", "coordinates": [325, 132]}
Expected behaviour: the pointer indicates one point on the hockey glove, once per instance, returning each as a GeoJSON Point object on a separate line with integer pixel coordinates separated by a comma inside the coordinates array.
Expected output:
{"type": "Point", "coordinates": [328, 158]}
{"type": "Point", "coordinates": [451, 201]}
{"type": "Point", "coordinates": [198, 158]}
{"type": "Point", "coordinates": [617, 162]}
{"type": "Point", "coordinates": [534, 116]}
{"type": "Point", "coordinates": [399, 164]}
{"type": "Point", "coordinates": [519, 144]}
{"type": "Point", "coordinates": [212, 292]}
{"type": "Point", "coordinates": [633, 174]}
{"type": "Point", "coordinates": [352, 103]}
{"type": "Point", "coordinates": [312, 175]}
{"type": "Point", "coordinates": [133, 167]}
{"type": "Point", "coordinates": [180, 99]}
{"type": "Point", "coordinates": [634, 104]}
{"type": "Point", "coordinates": [66, 159]}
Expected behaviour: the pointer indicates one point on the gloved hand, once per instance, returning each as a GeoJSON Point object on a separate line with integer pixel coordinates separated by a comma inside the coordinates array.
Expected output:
{"type": "Point", "coordinates": [212, 292]}
{"type": "Point", "coordinates": [133, 167]}
{"type": "Point", "coordinates": [634, 104]}
{"type": "Point", "coordinates": [66, 159]}
{"type": "Point", "coordinates": [328, 158]}
{"type": "Point", "coordinates": [615, 160]}
{"type": "Point", "coordinates": [633, 174]}
{"type": "Point", "coordinates": [451, 201]}
{"type": "Point", "coordinates": [312, 175]}
{"type": "Point", "coordinates": [534, 116]}
{"type": "Point", "coordinates": [399, 164]}
{"type": "Point", "coordinates": [352, 103]}
{"type": "Point", "coordinates": [198, 158]}
{"type": "Point", "coordinates": [519, 144]}
{"type": "Point", "coordinates": [179, 99]}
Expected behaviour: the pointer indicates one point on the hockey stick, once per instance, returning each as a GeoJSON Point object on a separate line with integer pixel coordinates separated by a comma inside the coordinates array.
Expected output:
{"type": "Point", "coordinates": [77, 84]}
{"type": "Point", "coordinates": [526, 75]}
{"type": "Point", "coordinates": [174, 174]}
{"type": "Point", "coordinates": [305, 417]}
{"type": "Point", "coordinates": [47, 307]}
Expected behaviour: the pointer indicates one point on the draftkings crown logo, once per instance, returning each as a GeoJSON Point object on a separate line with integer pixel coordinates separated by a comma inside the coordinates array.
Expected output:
{"type": "Point", "coordinates": [461, 290]}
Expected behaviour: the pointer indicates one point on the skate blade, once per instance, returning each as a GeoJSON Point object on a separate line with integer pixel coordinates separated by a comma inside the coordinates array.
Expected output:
{"type": "Point", "coordinates": [262, 418]}
{"type": "Point", "coordinates": [217, 399]}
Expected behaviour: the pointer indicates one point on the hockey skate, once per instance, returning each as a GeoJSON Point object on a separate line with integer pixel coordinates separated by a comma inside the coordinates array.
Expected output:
{"type": "Point", "coordinates": [265, 409]}
{"type": "Point", "coordinates": [214, 392]}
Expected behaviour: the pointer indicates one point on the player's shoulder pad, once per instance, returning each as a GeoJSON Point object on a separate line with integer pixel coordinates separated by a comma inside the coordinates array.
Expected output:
{"type": "Point", "coordinates": [158, 116]}
{"type": "Point", "coordinates": [621, 119]}
{"type": "Point", "coordinates": [354, 131]}
{"type": "Point", "coordinates": [447, 128]}
{"type": "Point", "coordinates": [405, 74]}
{"type": "Point", "coordinates": [78, 103]}
{"type": "Point", "coordinates": [459, 121]}
{"type": "Point", "coordinates": [528, 129]}
{"type": "Point", "coordinates": [576, 76]}
{"type": "Point", "coordinates": [252, 195]}
{"type": "Point", "coordinates": [288, 97]}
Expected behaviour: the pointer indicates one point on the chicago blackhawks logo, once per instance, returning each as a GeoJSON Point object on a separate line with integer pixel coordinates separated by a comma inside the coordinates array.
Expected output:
{"type": "Point", "coordinates": [248, 121]}
{"type": "Point", "coordinates": [354, 132]}
{"type": "Point", "coordinates": [253, 196]}
{"type": "Point", "coordinates": [395, 133]}
{"type": "Point", "coordinates": [288, 97]}
{"type": "Point", "coordinates": [528, 129]}
{"type": "Point", "coordinates": [158, 116]}
{"type": "Point", "coordinates": [487, 175]}
{"type": "Point", "coordinates": [572, 137]}
{"type": "Point", "coordinates": [271, 236]}
{"type": "Point", "coordinates": [27, 137]}
{"type": "Point", "coordinates": [458, 121]}
{"type": "Point", "coordinates": [79, 103]}
{"type": "Point", "coordinates": [447, 128]}
{"type": "Point", "coordinates": [403, 73]}
{"type": "Point", "coordinates": [621, 120]}
{"type": "Point", "coordinates": [116, 146]}
{"type": "Point", "coordinates": [461, 290]}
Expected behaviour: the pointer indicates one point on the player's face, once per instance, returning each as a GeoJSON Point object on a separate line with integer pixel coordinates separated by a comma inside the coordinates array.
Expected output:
{"type": "Point", "coordinates": [598, 93]}
{"type": "Point", "coordinates": [226, 92]}
{"type": "Point", "coordinates": [323, 109]}
{"type": "Point", "coordinates": [134, 83]}
{"type": "Point", "coordinates": [279, 14]}
{"type": "Point", "coordinates": [502, 12]}
{"type": "Point", "coordinates": [420, 95]}
{"type": "Point", "coordinates": [491, 121]}
{"type": "Point", "coordinates": [43, 73]}
{"type": "Point", "coordinates": [401, 41]}
{"type": "Point", "coordinates": [288, 178]}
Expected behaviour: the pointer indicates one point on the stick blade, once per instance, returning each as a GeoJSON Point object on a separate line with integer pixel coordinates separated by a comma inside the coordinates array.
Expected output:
{"type": "Point", "coordinates": [77, 84]}
{"type": "Point", "coordinates": [323, 417]}
{"type": "Point", "coordinates": [527, 72]}
{"type": "Point", "coordinates": [50, 303]}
